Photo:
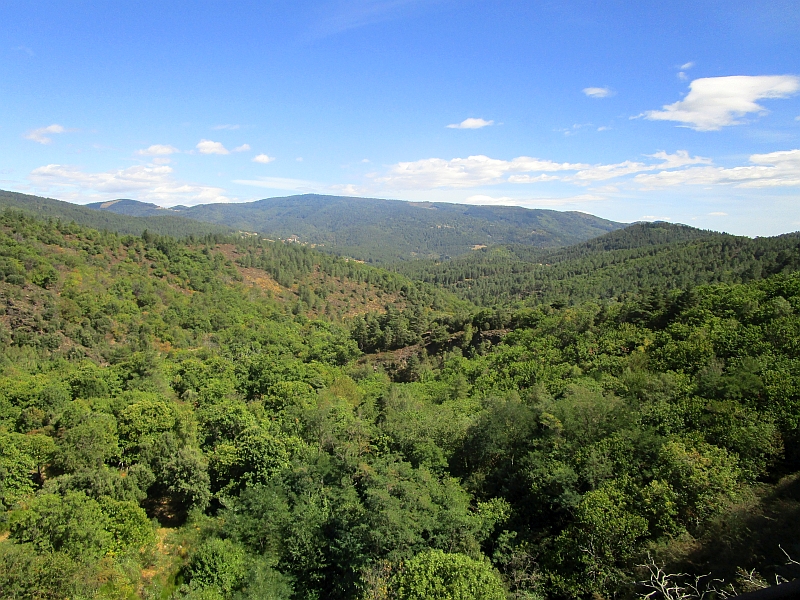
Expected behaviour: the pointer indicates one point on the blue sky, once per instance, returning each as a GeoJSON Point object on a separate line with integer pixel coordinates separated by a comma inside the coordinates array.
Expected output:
{"type": "Point", "coordinates": [685, 111]}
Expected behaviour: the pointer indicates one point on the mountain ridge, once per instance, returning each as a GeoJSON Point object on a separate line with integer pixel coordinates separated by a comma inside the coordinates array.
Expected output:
{"type": "Point", "coordinates": [390, 230]}
{"type": "Point", "coordinates": [642, 257]}
{"type": "Point", "coordinates": [174, 225]}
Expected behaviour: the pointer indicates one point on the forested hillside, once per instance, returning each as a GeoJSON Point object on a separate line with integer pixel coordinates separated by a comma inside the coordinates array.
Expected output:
{"type": "Point", "coordinates": [228, 417]}
{"type": "Point", "coordinates": [390, 230]}
{"type": "Point", "coordinates": [169, 224]}
{"type": "Point", "coordinates": [642, 257]}
{"type": "Point", "coordinates": [133, 208]}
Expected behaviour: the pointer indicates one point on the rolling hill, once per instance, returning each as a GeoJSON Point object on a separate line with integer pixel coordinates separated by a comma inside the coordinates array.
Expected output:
{"type": "Point", "coordinates": [641, 258]}
{"type": "Point", "coordinates": [175, 409]}
{"type": "Point", "coordinates": [385, 231]}
{"type": "Point", "coordinates": [132, 224]}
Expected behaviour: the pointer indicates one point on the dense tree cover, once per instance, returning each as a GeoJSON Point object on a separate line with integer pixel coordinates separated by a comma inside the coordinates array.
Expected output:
{"type": "Point", "coordinates": [170, 224]}
{"type": "Point", "coordinates": [384, 231]}
{"type": "Point", "coordinates": [169, 431]}
{"type": "Point", "coordinates": [646, 256]}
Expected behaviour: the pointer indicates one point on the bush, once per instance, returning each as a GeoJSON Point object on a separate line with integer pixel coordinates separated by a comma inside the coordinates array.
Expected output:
{"type": "Point", "coordinates": [218, 564]}
{"type": "Point", "coordinates": [437, 575]}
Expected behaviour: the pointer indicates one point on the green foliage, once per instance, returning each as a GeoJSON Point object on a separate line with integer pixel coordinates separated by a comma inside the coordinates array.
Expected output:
{"type": "Point", "coordinates": [602, 537]}
{"type": "Point", "coordinates": [388, 230]}
{"type": "Point", "coordinates": [24, 573]}
{"type": "Point", "coordinates": [16, 466]}
{"type": "Point", "coordinates": [290, 454]}
{"type": "Point", "coordinates": [437, 575]}
{"type": "Point", "coordinates": [645, 257]}
{"type": "Point", "coordinates": [73, 523]}
{"type": "Point", "coordinates": [217, 564]}
{"type": "Point", "coordinates": [65, 211]}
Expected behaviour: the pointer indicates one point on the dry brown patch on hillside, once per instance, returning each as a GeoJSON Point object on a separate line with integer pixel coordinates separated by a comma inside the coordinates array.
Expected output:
{"type": "Point", "coordinates": [252, 276]}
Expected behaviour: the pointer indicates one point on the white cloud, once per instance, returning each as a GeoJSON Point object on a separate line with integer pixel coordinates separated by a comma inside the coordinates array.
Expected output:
{"type": "Point", "coordinates": [242, 148]}
{"type": "Point", "coordinates": [687, 66]}
{"type": "Point", "coordinates": [336, 17]}
{"type": "Point", "coordinates": [263, 159]}
{"type": "Point", "coordinates": [717, 214]}
{"type": "Point", "coordinates": [230, 127]}
{"type": "Point", "coordinates": [716, 102]}
{"type": "Point", "coordinates": [480, 170]}
{"type": "Point", "coordinates": [463, 172]}
{"type": "Point", "coordinates": [147, 182]}
{"type": "Point", "coordinates": [485, 200]}
{"type": "Point", "coordinates": [597, 92]}
{"type": "Point", "coordinates": [574, 129]}
{"type": "Point", "coordinates": [471, 124]}
{"type": "Point", "coordinates": [282, 183]}
{"type": "Point", "coordinates": [776, 169]}
{"type": "Point", "coordinates": [681, 158]}
{"type": "Point", "coordinates": [532, 178]}
{"type": "Point", "coordinates": [158, 150]}
{"type": "Point", "coordinates": [209, 147]}
{"type": "Point", "coordinates": [347, 189]}
{"type": "Point", "coordinates": [40, 135]}
{"type": "Point", "coordinates": [299, 159]}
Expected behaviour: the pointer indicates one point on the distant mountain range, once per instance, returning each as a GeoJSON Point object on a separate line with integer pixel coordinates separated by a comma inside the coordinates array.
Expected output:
{"type": "Point", "coordinates": [386, 230]}
{"type": "Point", "coordinates": [653, 257]}
{"type": "Point", "coordinates": [166, 223]}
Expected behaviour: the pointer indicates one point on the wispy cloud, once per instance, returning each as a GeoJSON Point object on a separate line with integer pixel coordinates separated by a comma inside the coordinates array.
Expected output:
{"type": "Point", "coordinates": [158, 150]}
{"type": "Point", "coordinates": [574, 129]}
{"type": "Point", "coordinates": [716, 102]}
{"type": "Point", "coordinates": [263, 159]}
{"type": "Point", "coordinates": [154, 183]}
{"type": "Point", "coordinates": [283, 183]}
{"type": "Point", "coordinates": [683, 68]}
{"type": "Point", "coordinates": [42, 134]}
{"type": "Point", "coordinates": [229, 127]}
{"type": "Point", "coordinates": [717, 214]}
{"type": "Point", "coordinates": [343, 15]}
{"type": "Point", "coordinates": [485, 200]}
{"type": "Point", "coordinates": [242, 148]}
{"type": "Point", "coordinates": [26, 50]}
{"type": "Point", "coordinates": [476, 171]}
{"type": "Point", "coordinates": [597, 92]}
{"type": "Point", "coordinates": [775, 169]}
{"type": "Point", "coordinates": [463, 172]}
{"type": "Point", "coordinates": [209, 147]}
{"type": "Point", "coordinates": [470, 123]}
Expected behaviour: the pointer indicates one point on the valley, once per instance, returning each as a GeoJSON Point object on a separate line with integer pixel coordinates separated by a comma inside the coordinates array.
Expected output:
{"type": "Point", "coordinates": [212, 414]}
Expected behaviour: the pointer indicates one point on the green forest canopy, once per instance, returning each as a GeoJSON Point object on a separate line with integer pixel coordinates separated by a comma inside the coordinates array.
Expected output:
{"type": "Point", "coordinates": [387, 231]}
{"type": "Point", "coordinates": [172, 225]}
{"type": "Point", "coordinates": [226, 417]}
{"type": "Point", "coordinates": [642, 257]}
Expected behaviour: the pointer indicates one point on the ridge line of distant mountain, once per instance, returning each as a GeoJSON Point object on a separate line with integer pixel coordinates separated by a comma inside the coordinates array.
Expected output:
{"type": "Point", "coordinates": [164, 224]}
{"type": "Point", "coordinates": [378, 230]}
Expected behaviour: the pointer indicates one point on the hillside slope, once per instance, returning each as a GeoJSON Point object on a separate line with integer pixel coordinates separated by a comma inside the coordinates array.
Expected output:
{"type": "Point", "coordinates": [639, 258]}
{"type": "Point", "coordinates": [170, 424]}
{"type": "Point", "coordinates": [390, 230]}
{"type": "Point", "coordinates": [133, 208]}
{"type": "Point", "coordinates": [132, 224]}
